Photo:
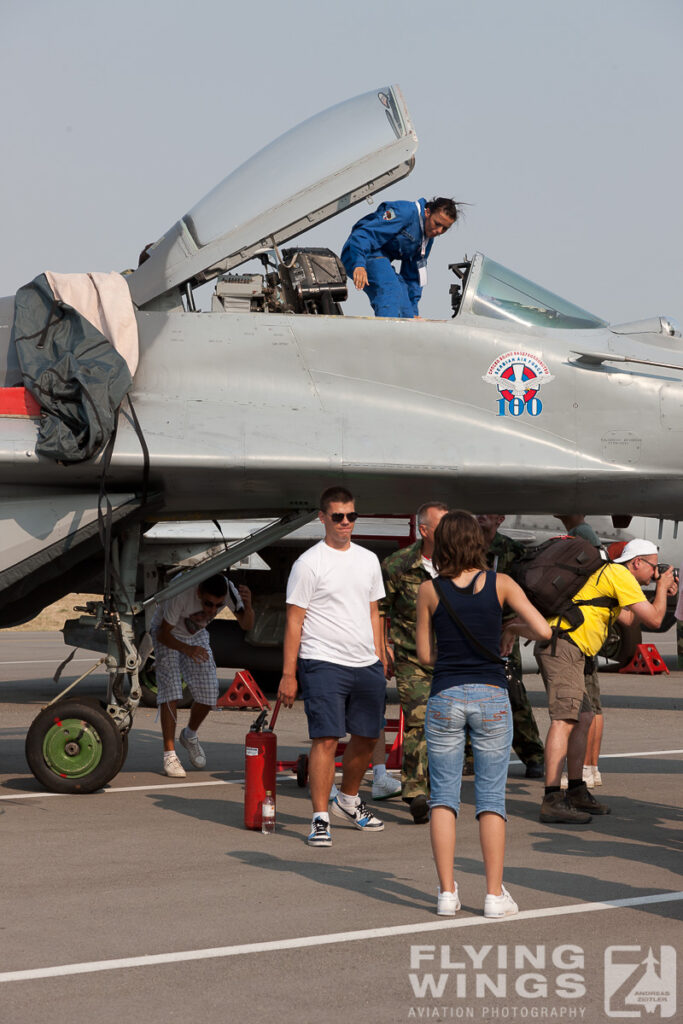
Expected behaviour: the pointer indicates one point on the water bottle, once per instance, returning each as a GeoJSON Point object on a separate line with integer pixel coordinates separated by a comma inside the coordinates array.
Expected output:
{"type": "Point", "coordinates": [268, 814]}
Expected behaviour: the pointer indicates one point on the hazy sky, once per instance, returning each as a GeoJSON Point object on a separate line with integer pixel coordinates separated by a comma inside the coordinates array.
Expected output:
{"type": "Point", "coordinates": [559, 123]}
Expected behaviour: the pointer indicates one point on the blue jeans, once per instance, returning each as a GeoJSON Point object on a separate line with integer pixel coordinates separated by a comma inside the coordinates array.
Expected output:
{"type": "Point", "coordinates": [485, 711]}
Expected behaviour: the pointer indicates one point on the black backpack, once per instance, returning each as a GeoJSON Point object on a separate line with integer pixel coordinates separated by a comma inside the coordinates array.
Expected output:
{"type": "Point", "coordinates": [553, 572]}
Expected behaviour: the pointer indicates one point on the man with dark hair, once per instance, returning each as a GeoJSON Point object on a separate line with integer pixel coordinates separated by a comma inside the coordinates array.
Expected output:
{"type": "Point", "coordinates": [333, 648]}
{"type": "Point", "coordinates": [526, 742]}
{"type": "Point", "coordinates": [403, 573]}
{"type": "Point", "coordinates": [183, 654]}
{"type": "Point", "coordinates": [402, 231]}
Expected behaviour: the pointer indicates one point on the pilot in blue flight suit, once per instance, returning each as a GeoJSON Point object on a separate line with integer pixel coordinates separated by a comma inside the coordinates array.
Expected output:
{"type": "Point", "coordinates": [396, 231]}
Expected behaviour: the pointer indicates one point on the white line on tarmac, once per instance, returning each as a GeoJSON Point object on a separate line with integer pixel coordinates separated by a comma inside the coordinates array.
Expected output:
{"type": "Point", "coordinates": [47, 661]}
{"type": "Point", "coordinates": [282, 777]}
{"type": "Point", "coordinates": [217, 952]}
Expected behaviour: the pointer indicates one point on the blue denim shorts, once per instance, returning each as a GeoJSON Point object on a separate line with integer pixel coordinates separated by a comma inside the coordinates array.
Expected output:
{"type": "Point", "coordinates": [340, 699]}
{"type": "Point", "coordinates": [485, 711]}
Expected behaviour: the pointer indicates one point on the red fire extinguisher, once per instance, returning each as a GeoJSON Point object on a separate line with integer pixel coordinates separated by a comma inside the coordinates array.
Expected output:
{"type": "Point", "coordinates": [260, 754]}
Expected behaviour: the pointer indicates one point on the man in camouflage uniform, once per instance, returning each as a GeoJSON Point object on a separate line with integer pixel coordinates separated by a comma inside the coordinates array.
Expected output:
{"type": "Point", "coordinates": [526, 742]}
{"type": "Point", "coordinates": [403, 573]}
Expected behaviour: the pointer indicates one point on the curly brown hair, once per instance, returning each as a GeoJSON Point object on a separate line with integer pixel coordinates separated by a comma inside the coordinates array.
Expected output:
{"type": "Point", "coordinates": [459, 544]}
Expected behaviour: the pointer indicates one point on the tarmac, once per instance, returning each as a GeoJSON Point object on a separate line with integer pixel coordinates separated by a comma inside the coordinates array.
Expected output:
{"type": "Point", "coordinates": [150, 901]}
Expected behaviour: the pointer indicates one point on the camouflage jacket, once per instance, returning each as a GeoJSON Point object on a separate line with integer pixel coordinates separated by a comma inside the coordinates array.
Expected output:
{"type": "Point", "coordinates": [403, 573]}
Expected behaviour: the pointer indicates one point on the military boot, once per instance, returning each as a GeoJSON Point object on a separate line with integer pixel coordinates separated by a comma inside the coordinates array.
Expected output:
{"type": "Point", "coordinates": [582, 800]}
{"type": "Point", "coordinates": [556, 809]}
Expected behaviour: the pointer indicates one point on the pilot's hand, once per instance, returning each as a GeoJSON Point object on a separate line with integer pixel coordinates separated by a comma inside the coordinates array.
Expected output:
{"type": "Point", "coordinates": [360, 278]}
{"type": "Point", "coordinates": [245, 594]}
{"type": "Point", "coordinates": [197, 654]}
{"type": "Point", "coordinates": [287, 689]}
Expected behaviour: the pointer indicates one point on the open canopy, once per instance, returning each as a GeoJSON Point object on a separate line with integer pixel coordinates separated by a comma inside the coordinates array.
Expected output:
{"type": "Point", "coordinates": [323, 166]}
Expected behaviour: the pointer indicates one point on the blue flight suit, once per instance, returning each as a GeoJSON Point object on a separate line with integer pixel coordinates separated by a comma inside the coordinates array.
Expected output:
{"type": "Point", "coordinates": [395, 231]}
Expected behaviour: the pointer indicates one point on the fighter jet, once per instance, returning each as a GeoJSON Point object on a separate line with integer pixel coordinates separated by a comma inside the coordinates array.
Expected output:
{"type": "Point", "coordinates": [253, 408]}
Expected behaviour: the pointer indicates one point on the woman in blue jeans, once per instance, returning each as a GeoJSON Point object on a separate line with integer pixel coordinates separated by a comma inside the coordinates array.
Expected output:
{"type": "Point", "coordinates": [462, 610]}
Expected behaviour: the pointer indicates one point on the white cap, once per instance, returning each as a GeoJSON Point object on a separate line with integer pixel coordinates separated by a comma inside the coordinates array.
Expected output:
{"type": "Point", "coordinates": [636, 549]}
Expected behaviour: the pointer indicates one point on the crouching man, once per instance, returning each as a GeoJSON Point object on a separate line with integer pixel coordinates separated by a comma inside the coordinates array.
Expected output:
{"type": "Point", "coordinates": [612, 593]}
{"type": "Point", "coordinates": [183, 653]}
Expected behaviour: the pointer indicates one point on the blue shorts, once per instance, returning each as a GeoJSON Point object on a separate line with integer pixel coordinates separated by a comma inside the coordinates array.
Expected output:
{"type": "Point", "coordinates": [340, 699]}
{"type": "Point", "coordinates": [485, 711]}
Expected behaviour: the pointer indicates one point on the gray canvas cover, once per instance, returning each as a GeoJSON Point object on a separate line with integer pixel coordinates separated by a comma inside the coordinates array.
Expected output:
{"type": "Point", "coordinates": [71, 369]}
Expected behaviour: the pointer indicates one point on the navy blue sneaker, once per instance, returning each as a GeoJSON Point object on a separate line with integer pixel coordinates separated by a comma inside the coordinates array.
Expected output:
{"type": "Point", "coordinates": [360, 816]}
{"type": "Point", "coordinates": [320, 833]}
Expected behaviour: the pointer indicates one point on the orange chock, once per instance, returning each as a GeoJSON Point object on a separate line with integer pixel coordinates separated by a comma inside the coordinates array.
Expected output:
{"type": "Point", "coordinates": [646, 661]}
{"type": "Point", "coordinates": [243, 692]}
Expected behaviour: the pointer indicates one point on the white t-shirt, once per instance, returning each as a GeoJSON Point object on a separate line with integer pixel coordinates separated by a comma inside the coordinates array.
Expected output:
{"type": "Point", "coordinates": [185, 613]}
{"type": "Point", "coordinates": [336, 588]}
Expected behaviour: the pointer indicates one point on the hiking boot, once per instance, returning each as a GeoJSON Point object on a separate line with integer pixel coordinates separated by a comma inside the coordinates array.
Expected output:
{"type": "Point", "coordinates": [173, 767]}
{"type": "Point", "coordinates": [500, 906]}
{"type": "Point", "coordinates": [556, 809]}
{"type": "Point", "coordinates": [582, 800]}
{"type": "Point", "coordinates": [448, 903]}
{"type": "Point", "coordinates": [320, 833]}
{"type": "Point", "coordinates": [534, 770]}
{"type": "Point", "coordinates": [359, 816]}
{"type": "Point", "coordinates": [419, 808]}
{"type": "Point", "coordinates": [385, 787]}
{"type": "Point", "coordinates": [191, 744]}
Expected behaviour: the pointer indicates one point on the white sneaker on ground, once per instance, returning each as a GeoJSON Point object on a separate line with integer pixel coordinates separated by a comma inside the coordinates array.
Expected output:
{"type": "Point", "coordinates": [597, 777]}
{"type": "Point", "coordinates": [500, 906]}
{"type": "Point", "coordinates": [447, 903]}
{"type": "Point", "coordinates": [385, 787]}
{"type": "Point", "coordinates": [197, 756]}
{"type": "Point", "coordinates": [588, 776]}
{"type": "Point", "coordinates": [173, 767]}
{"type": "Point", "coordinates": [564, 781]}
{"type": "Point", "coordinates": [359, 816]}
{"type": "Point", "coordinates": [320, 833]}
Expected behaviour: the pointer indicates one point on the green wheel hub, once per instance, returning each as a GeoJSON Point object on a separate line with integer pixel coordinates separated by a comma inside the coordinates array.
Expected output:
{"type": "Point", "coordinates": [72, 748]}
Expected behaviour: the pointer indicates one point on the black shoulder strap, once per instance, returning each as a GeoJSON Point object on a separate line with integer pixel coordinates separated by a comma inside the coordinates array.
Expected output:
{"type": "Point", "coordinates": [489, 655]}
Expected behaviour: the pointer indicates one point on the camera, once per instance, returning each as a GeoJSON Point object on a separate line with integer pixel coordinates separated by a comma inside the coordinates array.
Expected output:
{"type": "Point", "coordinates": [663, 567]}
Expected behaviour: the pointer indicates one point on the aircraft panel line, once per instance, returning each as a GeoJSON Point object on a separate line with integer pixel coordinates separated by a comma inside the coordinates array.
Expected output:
{"type": "Point", "coordinates": [155, 959]}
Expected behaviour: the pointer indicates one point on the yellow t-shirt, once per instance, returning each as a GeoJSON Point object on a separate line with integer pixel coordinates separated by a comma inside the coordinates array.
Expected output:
{"type": "Point", "coordinates": [609, 581]}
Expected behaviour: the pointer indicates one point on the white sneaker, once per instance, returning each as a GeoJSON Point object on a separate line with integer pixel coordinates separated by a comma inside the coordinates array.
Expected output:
{"type": "Point", "coordinates": [197, 756]}
{"type": "Point", "coordinates": [385, 787]}
{"type": "Point", "coordinates": [173, 767]}
{"type": "Point", "coordinates": [588, 776]}
{"type": "Point", "coordinates": [597, 777]}
{"type": "Point", "coordinates": [360, 816]}
{"type": "Point", "coordinates": [500, 906]}
{"type": "Point", "coordinates": [564, 781]}
{"type": "Point", "coordinates": [447, 903]}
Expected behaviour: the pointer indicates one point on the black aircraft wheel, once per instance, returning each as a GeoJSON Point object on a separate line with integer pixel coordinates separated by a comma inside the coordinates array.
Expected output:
{"type": "Point", "coordinates": [621, 643]}
{"type": "Point", "coordinates": [73, 746]}
{"type": "Point", "coordinates": [148, 686]}
{"type": "Point", "coordinates": [302, 770]}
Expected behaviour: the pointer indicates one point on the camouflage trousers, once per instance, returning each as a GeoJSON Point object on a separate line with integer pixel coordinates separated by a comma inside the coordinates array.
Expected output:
{"type": "Point", "coordinates": [413, 685]}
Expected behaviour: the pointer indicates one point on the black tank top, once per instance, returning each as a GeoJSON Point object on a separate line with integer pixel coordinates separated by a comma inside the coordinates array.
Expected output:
{"type": "Point", "coordinates": [458, 661]}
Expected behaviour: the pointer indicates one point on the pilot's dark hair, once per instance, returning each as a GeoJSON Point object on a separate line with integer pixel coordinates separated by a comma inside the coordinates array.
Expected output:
{"type": "Point", "coordinates": [334, 494]}
{"type": "Point", "coordinates": [216, 586]}
{"type": "Point", "coordinates": [449, 207]}
{"type": "Point", "coordinates": [458, 544]}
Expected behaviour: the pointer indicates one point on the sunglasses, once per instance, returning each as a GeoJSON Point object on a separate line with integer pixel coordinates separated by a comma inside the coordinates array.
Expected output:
{"type": "Point", "coordinates": [339, 517]}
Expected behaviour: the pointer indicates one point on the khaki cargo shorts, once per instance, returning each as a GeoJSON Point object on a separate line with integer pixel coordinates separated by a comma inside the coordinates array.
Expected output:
{"type": "Point", "coordinates": [563, 678]}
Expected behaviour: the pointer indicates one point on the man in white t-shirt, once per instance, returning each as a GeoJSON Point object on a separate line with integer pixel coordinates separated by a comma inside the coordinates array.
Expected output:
{"type": "Point", "coordinates": [183, 654]}
{"type": "Point", "coordinates": [333, 647]}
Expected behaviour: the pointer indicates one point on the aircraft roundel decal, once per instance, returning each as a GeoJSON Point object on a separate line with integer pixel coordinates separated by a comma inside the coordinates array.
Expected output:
{"type": "Point", "coordinates": [518, 375]}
